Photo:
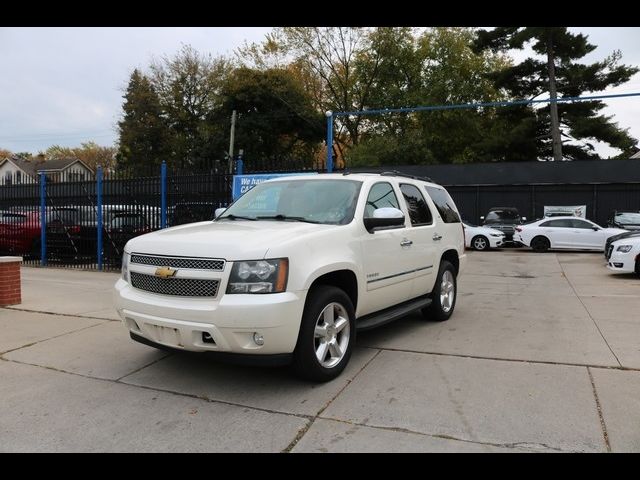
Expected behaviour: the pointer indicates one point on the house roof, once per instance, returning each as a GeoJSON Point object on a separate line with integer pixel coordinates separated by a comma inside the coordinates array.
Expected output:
{"type": "Point", "coordinates": [33, 166]}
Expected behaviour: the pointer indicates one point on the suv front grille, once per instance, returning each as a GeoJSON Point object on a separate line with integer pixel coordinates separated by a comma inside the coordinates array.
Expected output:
{"type": "Point", "coordinates": [183, 287]}
{"type": "Point", "coordinates": [179, 262]}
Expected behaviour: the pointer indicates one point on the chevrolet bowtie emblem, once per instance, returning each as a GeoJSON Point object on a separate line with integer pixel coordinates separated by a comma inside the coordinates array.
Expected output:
{"type": "Point", "coordinates": [166, 272]}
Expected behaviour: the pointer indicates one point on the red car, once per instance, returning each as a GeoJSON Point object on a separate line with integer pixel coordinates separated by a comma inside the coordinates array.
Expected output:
{"type": "Point", "coordinates": [20, 232]}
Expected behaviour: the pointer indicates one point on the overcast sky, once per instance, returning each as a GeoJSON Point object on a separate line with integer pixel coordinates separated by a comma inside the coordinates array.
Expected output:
{"type": "Point", "coordinates": [64, 86]}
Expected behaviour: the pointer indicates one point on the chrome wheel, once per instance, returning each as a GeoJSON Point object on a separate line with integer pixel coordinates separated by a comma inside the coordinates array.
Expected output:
{"type": "Point", "coordinates": [480, 243]}
{"type": "Point", "coordinates": [331, 335]}
{"type": "Point", "coordinates": [447, 291]}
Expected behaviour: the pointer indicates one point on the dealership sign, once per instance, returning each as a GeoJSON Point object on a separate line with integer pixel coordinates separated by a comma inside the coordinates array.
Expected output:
{"type": "Point", "coordinates": [569, 211]}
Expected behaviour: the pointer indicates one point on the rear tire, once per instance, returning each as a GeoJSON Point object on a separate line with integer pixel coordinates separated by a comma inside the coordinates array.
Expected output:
{"type": "Point", "coordinates": [443, 295]}
{"type": "Point", "coordinates": [480, 243]}
{"type": "Point", "coordinates": [540, 244]}
{"type": "Point", "coordinates": [327, 335]}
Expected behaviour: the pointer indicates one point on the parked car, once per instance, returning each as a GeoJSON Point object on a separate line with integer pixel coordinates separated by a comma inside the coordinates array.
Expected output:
{"type": "Point", "coordinates": [504, 219]}
{"type": "Point", "coordinates": [626, 220]}
{"type": "Point", "coordinates": [289, 271]}
{"type": "Point", "coordinates": [191, 212]}
{"type": "Point", "coordinates": [564, 233]}
{"type": "Point", "coordinates": [20, 232]}
{"type": "Point", "coordinates": [481, 238]}
{"type": "Point", "coordinates": [624, 256]}
{"type": "Point", "coordinates": [620, 236]}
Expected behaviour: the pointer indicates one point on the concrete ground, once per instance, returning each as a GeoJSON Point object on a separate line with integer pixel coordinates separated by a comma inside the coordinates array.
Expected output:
{"type": "Point", "coordinates": [542, 354]}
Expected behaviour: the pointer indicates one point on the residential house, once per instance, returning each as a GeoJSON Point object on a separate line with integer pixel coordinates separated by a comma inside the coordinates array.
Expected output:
{"type": "Point", "coordinates": [14, 170]}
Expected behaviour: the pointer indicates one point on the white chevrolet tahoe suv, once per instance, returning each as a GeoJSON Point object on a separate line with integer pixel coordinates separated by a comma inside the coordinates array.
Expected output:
{"type": "Point", "coordinates": [294, 267]}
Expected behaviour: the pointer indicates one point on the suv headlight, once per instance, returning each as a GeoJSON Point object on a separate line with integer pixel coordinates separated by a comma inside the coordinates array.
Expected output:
{"type": "Point", "coordinates": [125, 266]}
{"type": "Point", "coordinates": [624, 248]}
{"type": "Point", "coordinates": [497, 234]}
{"type": "Point", "coordinates": [259, 276]}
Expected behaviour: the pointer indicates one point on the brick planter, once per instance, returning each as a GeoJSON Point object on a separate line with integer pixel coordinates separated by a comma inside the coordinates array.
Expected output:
{"type": "Point", "coordinates": [10, 291]}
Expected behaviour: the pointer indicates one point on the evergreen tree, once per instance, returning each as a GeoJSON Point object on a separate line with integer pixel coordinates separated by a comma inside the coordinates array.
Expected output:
{"type": "Point", "coordinates": [144, 140]}
{"type": "Point", "coordinates": [560, 75]}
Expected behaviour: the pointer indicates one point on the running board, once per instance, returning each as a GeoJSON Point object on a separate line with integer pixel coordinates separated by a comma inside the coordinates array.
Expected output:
{"type": "Point", "coordinates": [390, 314]}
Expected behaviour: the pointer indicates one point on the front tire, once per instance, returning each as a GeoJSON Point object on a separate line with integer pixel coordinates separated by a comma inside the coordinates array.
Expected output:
{"type": "Point", "coordinates": [327, 335]}
{"type": "Point", "coordinates": [480, 243]}
{"type": "Point", "coordinates": [443, 295]}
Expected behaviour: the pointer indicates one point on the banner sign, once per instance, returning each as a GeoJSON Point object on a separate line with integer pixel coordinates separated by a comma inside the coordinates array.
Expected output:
{"type": "Point", "coordinates": [569, 211]}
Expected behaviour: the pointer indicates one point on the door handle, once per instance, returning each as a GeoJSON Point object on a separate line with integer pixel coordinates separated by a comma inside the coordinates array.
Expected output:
{"type": "Point", "coordinates": [406, 243]}
{"type": "Point", "coordinates": [437, 237]}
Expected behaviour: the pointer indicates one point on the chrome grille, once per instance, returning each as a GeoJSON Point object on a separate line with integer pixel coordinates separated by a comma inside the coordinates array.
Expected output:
{"type": "Point", "coordinates": [179, 262]}
{"type": "Point", "coordinates": [183, 287]}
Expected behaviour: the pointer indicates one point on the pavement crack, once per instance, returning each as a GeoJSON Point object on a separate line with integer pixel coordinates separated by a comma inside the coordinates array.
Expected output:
{"type": "Point", "coordinates": [74, 315]}
{"type": "Point", "coordinates": [599, 408]}
{"type": "Point", "coordinates": [511, 445]}
{"type": "Point", "coordinates": [305, 429]}
{"type": "Point", "coordinates": [589, 313]}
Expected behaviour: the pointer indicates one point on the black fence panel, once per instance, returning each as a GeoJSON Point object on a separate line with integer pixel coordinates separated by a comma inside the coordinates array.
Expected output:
{"type": "Point", "coordinates": [20, 217]}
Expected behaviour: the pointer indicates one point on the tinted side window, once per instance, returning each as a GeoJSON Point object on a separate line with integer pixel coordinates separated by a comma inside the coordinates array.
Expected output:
{"type": "Point", "coordinates": [381, 195]}
{"type": "Point", "coordinates": [581, 224]}
{"type": "Point", "coordinates": [558, 223]}
{"type": "Point", "coordinates": [419, 212]}
{"type": "Point", "coordinates": [444, 204]}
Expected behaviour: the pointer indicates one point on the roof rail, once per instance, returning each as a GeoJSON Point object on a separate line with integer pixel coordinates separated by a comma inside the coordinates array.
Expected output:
{"type": "Point", "coordinates": [396, 173]}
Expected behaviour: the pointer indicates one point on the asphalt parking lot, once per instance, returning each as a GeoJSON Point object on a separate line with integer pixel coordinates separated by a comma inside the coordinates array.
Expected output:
{"type": "Point", "coordinates": [542, 354]}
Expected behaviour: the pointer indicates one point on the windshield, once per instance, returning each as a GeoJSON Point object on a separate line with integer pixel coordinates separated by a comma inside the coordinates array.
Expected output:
{"type": "Point", "coordinates": [124, 221]}
{"type": "Point", "coordinates": [628, 218]}
{"type": "Point", "coordinates": [317, 201]}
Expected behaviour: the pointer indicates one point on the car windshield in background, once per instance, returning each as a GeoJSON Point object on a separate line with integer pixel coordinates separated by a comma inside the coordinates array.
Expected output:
{"type": "Point", "coordinates": [628, 218]}
{"type": "Point", "coordinates": [315, 201]}
{"type": "Point", "coordinates": [123, 221]}
{"type": "Point", "coordinates": [498, 216]}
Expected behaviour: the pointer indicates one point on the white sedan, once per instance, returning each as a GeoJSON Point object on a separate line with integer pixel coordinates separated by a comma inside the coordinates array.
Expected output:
{"type": "Point", "coordinates": [624, 256]}
{"type": "Point", "coordinates": [482, 238]}
{"type": "Point", "coordinates": [564, 233]}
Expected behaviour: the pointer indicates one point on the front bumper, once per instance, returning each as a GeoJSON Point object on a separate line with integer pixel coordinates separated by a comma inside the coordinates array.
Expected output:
{"type": "Point", "coordinates": [225, 324]}
{"type": "Point", "coordinates": [622, 262]}
{"type": "Point", "coordinates": [495, 242]}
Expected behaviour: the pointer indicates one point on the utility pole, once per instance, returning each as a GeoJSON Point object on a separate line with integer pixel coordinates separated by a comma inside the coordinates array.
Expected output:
{"type": "Point", "coordinates": [553, 105]}
{"type": "Point", "coordinates": [231, 140]}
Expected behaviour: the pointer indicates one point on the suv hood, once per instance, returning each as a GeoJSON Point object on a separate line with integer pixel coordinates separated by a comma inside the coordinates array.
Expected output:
{"type": "Point", "coordinates": [230, 239]}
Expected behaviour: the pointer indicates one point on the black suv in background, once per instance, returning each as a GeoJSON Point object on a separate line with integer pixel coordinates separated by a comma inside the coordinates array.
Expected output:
{"type": "Point", "coordinates": [504, 219]}
{"type": "Point", "coordinates": [626, 220]}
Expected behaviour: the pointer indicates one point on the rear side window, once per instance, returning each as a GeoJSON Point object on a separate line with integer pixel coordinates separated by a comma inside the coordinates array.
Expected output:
{"type": "Point", "coordinates": [419, 212]}
{"type": "Point", "coordinates": [444, 204]}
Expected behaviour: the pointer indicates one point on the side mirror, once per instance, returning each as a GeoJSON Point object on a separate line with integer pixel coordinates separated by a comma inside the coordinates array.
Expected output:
{"type": "Point", "coordinates": [481, 218]}
{"type": "Point", "coordinates": [219, 212]}
{"type": "Point", "coordinates": [384, 217]}
{"type": "Point", "coordinates": [524, 219]}
{"type": "Point", "coordinates": [595, 228]}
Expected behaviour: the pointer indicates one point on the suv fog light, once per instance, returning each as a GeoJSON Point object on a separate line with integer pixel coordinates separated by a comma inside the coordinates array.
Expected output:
{"type": "Point", "coordinates": [258, 339]}
{"type": "Point", "coordinates": [618, 265]}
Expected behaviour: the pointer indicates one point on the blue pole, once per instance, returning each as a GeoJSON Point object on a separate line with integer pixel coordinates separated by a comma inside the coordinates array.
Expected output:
{"type": "Point", "coordinates": [163, 195]}
{"type": "Point", "coordinates": [43, 221]}
{"type": "Point", "coordinates": [99, 225]}
{"type": "Point", "coordinates": [329, 141]}
{"type": "Point", "coordinates": [239, 165]}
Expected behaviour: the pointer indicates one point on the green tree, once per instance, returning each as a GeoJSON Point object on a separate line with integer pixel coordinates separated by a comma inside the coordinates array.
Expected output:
{"type": "Point", "coordinates": [276, 117]}
{"type": "Point", "coordinates": [92, 154]}
{"type": "Point", "coordinates": [144, 134]}
{"type": "Point", "coordinates": [435, 67]}
{"type": "Point", "coordinates": [560, 74]}
{"type": "Point", "coordinates": [189, 88]}
{"type": "Point", "coordinates": [4, 153]}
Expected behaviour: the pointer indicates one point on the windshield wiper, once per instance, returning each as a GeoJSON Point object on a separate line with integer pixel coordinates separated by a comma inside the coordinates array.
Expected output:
{"type": "Point", "coordinates": [231, 216]}
{"type": "Point", "coordinates": [284, 218]}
